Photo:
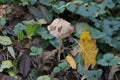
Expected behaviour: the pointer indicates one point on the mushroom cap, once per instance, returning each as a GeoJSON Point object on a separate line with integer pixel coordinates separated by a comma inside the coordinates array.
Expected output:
{"type": "Point", "coordinates": [60, 28]}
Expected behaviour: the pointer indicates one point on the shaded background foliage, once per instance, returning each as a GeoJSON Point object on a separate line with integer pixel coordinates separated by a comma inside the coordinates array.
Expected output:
{"type": "Point", "coordinates": [25, 21]}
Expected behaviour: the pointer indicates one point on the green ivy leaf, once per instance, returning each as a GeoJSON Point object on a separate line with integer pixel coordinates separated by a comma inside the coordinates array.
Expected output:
{"type": "Point", "coordinates": [108, 3]}
{"type": "Point", "coordinates": [45, 2]}
{"type": "Point", "coordinates": [92, 78]}
{"type": "Point", "coordinates": [71, 7]}
{"type": "Point", "coordinates": [44, 44]}
{"type": "Point", "coordinates": [35, 51]}
{"type": "Point", "coordinates": [43, 32]}
{"type": "Point", "coordinates": [63, 65]}
{"type": "Point", "coordinates": [80, 69]}
{"type": "Point", "coordinates": [54, 42]}
{"type": "Point", "coordinates": [78, 59]}
{"type": "Point", "coordinates": [2, 21]}
{"type": "Point", "coordinates": [97, 22]}
{"type": "Point", "coordinates": [89, 73]}
{"type": "Point", "coordinates": [96, 34]}
{"type": "Point", "coordinates": [108, 56]}
{"type": "Point", "coordinates": [110, 41]}
{"type": "Point", "coordinates": [61, 3]}
{"type": "Point", "coordinates": [108, 60]}
{"type": "Point", "coordinates": [49, 14]}
{"type": "Point", "coordinates": [93, 73]}
{"type": "Point", "coordinates": [86, 11]}
{"type": "Point", "coordinates": [99, 56]}
{"type": "Point", "coordinates": [19, 27]}
{"type": "Point", "coordinates": [102, 62]}
{"type": "Point", "coordinates": [100, 9]}
{"type": "Point", "coordinates": [56, 69]}
{"type": "Point", "coordinates": [18, 30]}
{"type": "Point", "coordinates": [110, 26]}
{"type": "Point", "coordinates": [55, 8]}
{"type": "Point", "coordinates": [107, 27]}
{"type": "Point", "coordinates": [33, 1]}
{"type": "Point", "coordinates": [114, 61]}
{"type": "Point", "coordinates": [80, 66]}
{"type": "Point", "coordinates": [98, 73]}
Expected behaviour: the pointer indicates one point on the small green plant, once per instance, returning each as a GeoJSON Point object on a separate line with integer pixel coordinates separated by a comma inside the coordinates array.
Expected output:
{"type": "Point", "coordinates": [56, 70]}
{"type": "Point", "coordinates": [35, 51]}
{"type": "Point", "coordinates": [108, 60]}
{"type": "Point", "coordinates": [45, 2]}
{"type": "Point", "coordinates": [29, 28]}
{"type": "Point", "coordinates": [45, 77]}
{"type": "Point", "coordinates": [56, 9]}
{"type": "Point", "coordinates": [18, 30]}
{"type": "Point", "coordinates": [8, 67]}
{"type": "Point", "coordinates": [43, 32]}
{"type": "Point", "coordinates": [60, 67]}
{"type": "Point", "coordinates": [2, 24]}
{"type": "Point", "coordinates": [2, 21]}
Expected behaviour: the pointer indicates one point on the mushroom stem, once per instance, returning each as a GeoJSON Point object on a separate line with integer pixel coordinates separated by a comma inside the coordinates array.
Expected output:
{"type": "Point", "coordinates": [59, 48]}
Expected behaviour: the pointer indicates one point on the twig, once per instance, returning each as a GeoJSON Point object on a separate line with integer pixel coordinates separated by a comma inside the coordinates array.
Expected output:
{"type": "Point", "coordinates": [59, 48]}
{"type": "Point", "coordinates": [74, 2]}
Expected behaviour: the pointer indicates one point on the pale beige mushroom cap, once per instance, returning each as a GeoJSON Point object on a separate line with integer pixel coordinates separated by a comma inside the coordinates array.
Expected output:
{"type": "Point", "coordinates": [60, 28]}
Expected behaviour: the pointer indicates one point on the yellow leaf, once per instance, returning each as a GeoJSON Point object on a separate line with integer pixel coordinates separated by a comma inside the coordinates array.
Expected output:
{"type": "Point", "coordinates": [88, 49]}
{"type": "Point", "coordinates": [71, 61]}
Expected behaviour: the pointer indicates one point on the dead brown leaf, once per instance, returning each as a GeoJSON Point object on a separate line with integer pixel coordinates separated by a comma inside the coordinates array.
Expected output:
{"type": "Point", "coordinates": [2, 10]}
{"type": "Point", "coordinates": [13, 11]}
{"type": "Point", "coordinates": [6, 77]}
{"type": "Point", "coordinates": [46, 60]}
{"type": "Point", "coordinates": [98, 0]}
{"type": "Point", "coordinates": [114, 69]}
{"type": "Point", "coordinates": [36, 12]}
{"type": "Point", "coordinates": [75, 50]}
{"type": "Point", "coordinates": [43, 10]}
{"type": "Point", "coordinates": [25, 64]}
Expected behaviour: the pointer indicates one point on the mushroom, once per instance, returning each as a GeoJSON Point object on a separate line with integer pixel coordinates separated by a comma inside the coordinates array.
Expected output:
{"type": "Point", "coordinates": [60, 28]}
